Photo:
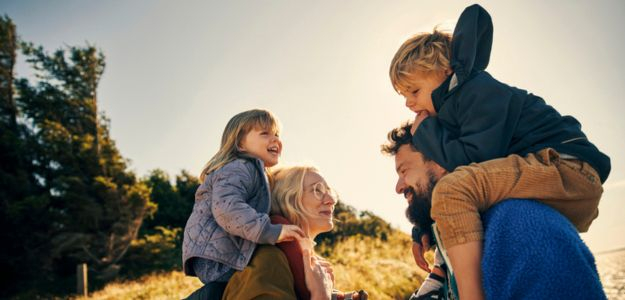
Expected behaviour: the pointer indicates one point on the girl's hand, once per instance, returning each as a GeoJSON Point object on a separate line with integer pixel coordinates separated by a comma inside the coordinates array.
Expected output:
{"type": "Point", "coordinates": [290, 233]}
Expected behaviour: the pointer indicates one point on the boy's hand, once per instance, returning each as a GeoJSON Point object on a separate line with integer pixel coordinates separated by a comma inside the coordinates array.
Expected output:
{"type": "Point", "coordinates": [418, 251]}
{"type": "Point", "coordinates": [290, 233]}
{"type": "Point", "coordinates": [417, 120]}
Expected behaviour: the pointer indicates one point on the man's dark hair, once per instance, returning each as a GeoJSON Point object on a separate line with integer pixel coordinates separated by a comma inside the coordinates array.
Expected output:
{"type": "Point", "coordinates": [398, 137]}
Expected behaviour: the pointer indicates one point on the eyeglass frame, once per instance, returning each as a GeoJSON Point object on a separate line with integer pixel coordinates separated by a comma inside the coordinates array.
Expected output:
{"type": "Point", "coordinates": [328, 191]}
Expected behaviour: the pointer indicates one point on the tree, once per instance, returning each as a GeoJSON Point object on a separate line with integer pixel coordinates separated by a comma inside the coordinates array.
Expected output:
{"type": "Point", "coordinates": [348, 222]}
{"type": "Point", "coordinates": [159, 246]}
{"type": "Point", "coordinates": [67, 196]}
{"type": "Point", "coordinates": [16, 183]}
{"type": "Point", "coordinates": [174, 202]}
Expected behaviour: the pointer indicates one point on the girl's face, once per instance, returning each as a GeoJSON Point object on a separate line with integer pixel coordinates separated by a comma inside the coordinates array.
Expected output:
{"type": "Point", "coordinates": [318, 201]}
{"type": "Point", "coordinates": [263, 144]}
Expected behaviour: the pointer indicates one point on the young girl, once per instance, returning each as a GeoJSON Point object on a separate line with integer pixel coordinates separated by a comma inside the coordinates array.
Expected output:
{"type": "Point", "coordinates": [229, 217]}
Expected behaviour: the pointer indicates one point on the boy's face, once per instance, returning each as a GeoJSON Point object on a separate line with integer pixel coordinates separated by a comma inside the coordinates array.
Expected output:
{"type": "Point", "coordinates": [418, 94]}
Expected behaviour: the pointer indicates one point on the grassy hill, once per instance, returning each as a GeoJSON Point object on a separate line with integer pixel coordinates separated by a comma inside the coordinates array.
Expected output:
{"type": "Point", "coordinates": [385, 269]}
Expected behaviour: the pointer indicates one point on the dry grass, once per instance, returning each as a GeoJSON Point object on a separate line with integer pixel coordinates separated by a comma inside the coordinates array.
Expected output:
{"type": "Point", "coordinates": [385, 270]}
{"type": "Point", "coordinates": [172, 285]}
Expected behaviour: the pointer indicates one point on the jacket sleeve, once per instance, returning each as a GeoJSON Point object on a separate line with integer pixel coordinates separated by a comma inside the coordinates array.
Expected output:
{"type": "Point", "coordinates": [232, 187]}
{"type": "Point", "coordinates": [267, 276]}
{"type": "Point", "coordinates": [486, 119]}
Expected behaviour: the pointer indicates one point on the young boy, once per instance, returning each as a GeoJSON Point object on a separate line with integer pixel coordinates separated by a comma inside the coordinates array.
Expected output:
{"type": "Point", "coordinates": [500, 142]}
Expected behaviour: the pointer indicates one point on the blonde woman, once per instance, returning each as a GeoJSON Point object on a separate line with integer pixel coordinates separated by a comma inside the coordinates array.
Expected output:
{"type": "Point", "coordinates": [291, 270]}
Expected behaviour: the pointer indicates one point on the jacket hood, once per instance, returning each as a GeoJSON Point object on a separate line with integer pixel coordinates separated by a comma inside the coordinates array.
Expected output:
{"type": "Point", "coordinates": [471, 42]}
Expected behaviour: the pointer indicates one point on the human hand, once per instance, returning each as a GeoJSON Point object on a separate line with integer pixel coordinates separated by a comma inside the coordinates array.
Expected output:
{"type": "Point", "coordinates": [290, 233]}
{"type": "Point", "coordinates": [418, 251]}
{"type": "Point", "coordinates": [327, 267]}
{"type": "Point", "coordinates": [318, 281]}
{"type": "Point", "coordinates": [360, 295]}
{"type": "Point", "coordinates": [417, 120]}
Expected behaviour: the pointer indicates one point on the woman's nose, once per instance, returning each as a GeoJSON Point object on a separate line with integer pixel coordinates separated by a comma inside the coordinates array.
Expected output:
{"type": "Point", "coordinates": [329, 199]}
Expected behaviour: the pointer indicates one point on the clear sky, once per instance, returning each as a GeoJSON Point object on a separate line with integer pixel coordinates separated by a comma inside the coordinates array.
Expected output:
{"type": "Point", "coordinates": [178, 70]}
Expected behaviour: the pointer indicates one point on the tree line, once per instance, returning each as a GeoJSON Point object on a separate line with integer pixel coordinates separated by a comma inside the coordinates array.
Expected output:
{"type": "Point", "coordinates": [66, 194]}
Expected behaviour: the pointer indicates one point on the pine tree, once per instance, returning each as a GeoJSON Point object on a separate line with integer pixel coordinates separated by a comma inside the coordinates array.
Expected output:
{"type": "Point", "coordinates": [84, 205]}
{"type": "Point", "coordinates": [16, 182]}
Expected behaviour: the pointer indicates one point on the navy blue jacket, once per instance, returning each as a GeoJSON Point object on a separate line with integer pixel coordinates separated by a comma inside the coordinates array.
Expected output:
{"type": "Point", "coordinates": [480, 118]}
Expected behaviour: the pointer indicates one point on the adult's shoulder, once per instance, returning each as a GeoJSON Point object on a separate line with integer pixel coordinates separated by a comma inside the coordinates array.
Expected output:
{"type": "Point", "coordinates": [267, 276]}
{"type": "Point", "coordinates": [267, 255]}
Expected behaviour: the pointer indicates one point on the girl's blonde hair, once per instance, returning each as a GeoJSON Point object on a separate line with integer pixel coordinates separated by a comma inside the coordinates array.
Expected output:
{"type": "Point", "coordinates": [235, 131]}
{"type": "Point", "coordinates": [287, 194]}
{"type": "Point", "coordinates": [423, 52]}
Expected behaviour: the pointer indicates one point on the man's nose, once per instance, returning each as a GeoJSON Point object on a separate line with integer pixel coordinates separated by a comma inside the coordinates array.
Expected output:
{"type": "Point", "coordinates": [400, 186]}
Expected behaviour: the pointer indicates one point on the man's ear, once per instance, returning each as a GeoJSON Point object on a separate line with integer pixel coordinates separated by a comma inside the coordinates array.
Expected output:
{"type": "Point", "coordinates": [438, 170]}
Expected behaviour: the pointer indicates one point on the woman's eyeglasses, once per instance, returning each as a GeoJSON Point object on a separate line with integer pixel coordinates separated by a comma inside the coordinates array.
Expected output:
{"type": "Point", "coordinates": [320, 190]}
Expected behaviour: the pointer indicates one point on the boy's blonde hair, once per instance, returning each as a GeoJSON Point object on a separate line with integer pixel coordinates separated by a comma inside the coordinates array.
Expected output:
{"type": "Point", "coordinates": [423, 52]}
{"type": "Point", "coordinates": [287, 194]}
{"type": "Point", "coordinates": [235, 131]}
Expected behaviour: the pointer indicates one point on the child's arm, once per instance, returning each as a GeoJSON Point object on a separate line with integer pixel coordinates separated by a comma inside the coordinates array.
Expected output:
{"type": "Point", "coordinates": [290, 233]}
{"type": "Point", "coordinates": [486, 120]}
{"type": "Point", "coordinates": [232, 186]}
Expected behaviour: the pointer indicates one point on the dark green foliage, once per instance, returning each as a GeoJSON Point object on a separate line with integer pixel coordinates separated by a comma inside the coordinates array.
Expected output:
{"type": "Point", "coordinates": [174, 202]}
{"type": "Point", "coordinates": [66, 195]}
{"type": "Point", "coordinates": [348, 222]}
{"type": "Point", "coordinates": [19, 203]}
{"type": "Point", "coordinates": [159, 246]}
{"type": "Point", "coordinates": [153, 252]}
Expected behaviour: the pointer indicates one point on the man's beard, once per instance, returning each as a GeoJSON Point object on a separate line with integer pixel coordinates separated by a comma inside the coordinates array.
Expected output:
{"type": "Point", "coordinates": [418, 211]}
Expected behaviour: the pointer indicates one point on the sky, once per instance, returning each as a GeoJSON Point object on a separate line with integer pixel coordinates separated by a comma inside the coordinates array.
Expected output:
{"type": "Point", "coordinates": [177, 71]}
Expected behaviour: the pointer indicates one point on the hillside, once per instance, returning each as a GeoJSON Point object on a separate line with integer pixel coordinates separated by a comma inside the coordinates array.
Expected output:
{"type": "Point", "coordinates": [384, 269]}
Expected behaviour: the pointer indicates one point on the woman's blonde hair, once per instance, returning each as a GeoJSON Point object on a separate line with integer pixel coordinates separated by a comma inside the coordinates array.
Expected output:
{"type": "Point", "coordinates": [235, 131]}
{"type": "Point", "coordinates": [423, 52]}
{"type": "Point", "coordinates": [287, 194]}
